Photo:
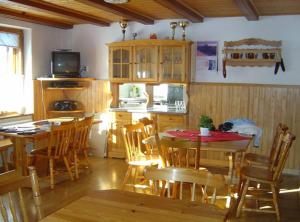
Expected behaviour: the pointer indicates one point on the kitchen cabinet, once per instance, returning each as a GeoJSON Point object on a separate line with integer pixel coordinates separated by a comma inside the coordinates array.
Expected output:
{"type": "Point", "coordinates": [116, 146]}
{"type": "Point", "coordinates": [150, 60]}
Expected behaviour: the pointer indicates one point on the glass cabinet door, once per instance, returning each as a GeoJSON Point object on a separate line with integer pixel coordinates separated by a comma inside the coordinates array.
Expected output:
{"type": "Point", "coordinates": [172, 64]}
{"type": "Point", "coordinates": [145, 63]}
{"type": "Point", "coordinates": [120, 63]}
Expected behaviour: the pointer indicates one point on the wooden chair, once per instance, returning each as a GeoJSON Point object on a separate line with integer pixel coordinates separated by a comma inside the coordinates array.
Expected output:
{"type": "Point", "coordinates": [179, 152]}
{"type": "Point", "coordinates": [195, 177]}
{"type": "Point", "coordinates": [133, 135]}
{"type": "Point", "coordinates": [58, 148]}
{"type": "Point", "coordinates": [186, 175]}
{"type": "Point", "coordinates": [4, 145]}
{"type": "Point", "coordinates": [80, 142]}
{"type": "Point", "coordinates": [270, 176]}
{"type": "Point", "coordinates": [150, 129]}
{"type": "Point", "coordinates": [267, 161]}
{"type": "Point", "coordinates": [13, 208]}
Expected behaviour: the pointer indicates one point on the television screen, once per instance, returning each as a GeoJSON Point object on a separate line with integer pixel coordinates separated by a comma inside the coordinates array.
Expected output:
{"type": "Point", "coordinates": [65, 64]}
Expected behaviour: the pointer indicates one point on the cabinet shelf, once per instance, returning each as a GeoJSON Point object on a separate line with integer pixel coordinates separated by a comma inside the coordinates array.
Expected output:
{"type": "Point", "coordinates": [65, 88]}
{"type": "Point", "coordinates": [250, 62]}
{"type": "Point", "coordinates": [67, 111]}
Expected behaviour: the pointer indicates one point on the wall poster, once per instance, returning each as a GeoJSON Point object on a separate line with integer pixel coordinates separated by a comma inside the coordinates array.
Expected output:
{"type": "Point", "coordinates": [206, 58]}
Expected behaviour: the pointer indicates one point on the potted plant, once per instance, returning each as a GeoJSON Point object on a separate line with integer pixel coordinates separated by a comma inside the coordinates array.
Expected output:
{"type": "Point", "coordinates": [205, 124]}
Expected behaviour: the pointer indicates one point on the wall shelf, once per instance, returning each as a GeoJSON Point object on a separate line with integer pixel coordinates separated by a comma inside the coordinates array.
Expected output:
{"type": "Point", "coordinates": [269, 55]}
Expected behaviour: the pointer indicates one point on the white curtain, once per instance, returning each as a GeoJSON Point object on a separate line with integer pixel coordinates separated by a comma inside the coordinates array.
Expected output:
{"type": "Point", "coordinates": [12, 93]}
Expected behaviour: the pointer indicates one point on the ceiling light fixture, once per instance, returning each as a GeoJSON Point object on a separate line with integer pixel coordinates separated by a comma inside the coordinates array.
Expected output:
{"type": "Point", "coordinates": [116, 1]}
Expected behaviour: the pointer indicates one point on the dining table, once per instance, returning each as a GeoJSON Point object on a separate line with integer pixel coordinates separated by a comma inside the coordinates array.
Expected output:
{"type": "Point", "coordinates": [20, 135]}
{"type": "Point", "coordinates": [119, 205]}
{"type": "Point", "coordinates": [232, 144]}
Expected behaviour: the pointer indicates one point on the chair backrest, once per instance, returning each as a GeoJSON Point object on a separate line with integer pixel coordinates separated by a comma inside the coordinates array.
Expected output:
{"type": "Point", "coordinates": [150, 129]}
{"type": "Point", "coordinates": [12, 206]}
{"type": "Point", "coordinates": [184, 175]}
{"type": "Point", "coordinates": [82, 131]}
{"type": "Point", "coordinates": [133, 134]}
{"type": "Point", "coordinates": [179, 152]}
{"type": "Point", "coordinates": [285, 143]}
{"type": "Point", "coordinates": [280, 130]}
{"type": "Point", "coordinates": [150, 126]}
{"type": "Point", "coordinates": [60, 139]}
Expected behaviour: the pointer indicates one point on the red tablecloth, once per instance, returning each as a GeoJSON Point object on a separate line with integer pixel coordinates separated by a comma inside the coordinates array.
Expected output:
{"type": "Point", "coordinates": [214, 136]}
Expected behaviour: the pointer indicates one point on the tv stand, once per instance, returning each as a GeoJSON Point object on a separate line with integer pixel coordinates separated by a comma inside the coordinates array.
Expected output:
{"type": "Point", "coordinates": [50, 90]}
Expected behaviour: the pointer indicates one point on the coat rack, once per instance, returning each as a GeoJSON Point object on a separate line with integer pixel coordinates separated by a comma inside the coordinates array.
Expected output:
{"type": "Point", "coordinates": [269, 55]}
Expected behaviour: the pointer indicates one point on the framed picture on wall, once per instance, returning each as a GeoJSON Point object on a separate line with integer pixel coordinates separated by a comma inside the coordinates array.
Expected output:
{"type": "Point", "coordinates": [206, 58]}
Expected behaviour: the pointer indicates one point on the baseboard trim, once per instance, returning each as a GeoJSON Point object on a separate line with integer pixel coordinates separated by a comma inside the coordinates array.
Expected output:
{"type": "Point", "coordinates": [292, 171]}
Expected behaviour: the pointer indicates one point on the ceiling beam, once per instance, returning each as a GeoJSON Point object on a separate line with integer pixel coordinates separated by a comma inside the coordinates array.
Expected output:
{"type": "Point", "coordinates": [23, 16]}
{"type": "Point", "coordinates": [63, 11]}
{"type": "Point", "coordinates": [130, 15]}
{"type": "Point", "coordinates": [182, 9]}
{"type": "Point", "coordinates": [248, 9]}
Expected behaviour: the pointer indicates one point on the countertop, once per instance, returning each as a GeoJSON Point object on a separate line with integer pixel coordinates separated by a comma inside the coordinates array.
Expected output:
{"type": "Point", "coordinates": [162, 110]}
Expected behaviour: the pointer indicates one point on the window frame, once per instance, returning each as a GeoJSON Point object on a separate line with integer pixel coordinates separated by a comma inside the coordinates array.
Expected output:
{"type": "Point", "coordinates": [20, 33]}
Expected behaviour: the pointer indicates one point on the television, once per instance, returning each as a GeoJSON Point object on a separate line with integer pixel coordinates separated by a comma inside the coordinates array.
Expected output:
{"type": "Point", "coordinates": [65, 64]}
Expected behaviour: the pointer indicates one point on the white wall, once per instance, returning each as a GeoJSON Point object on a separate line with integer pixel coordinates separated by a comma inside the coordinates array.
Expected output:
{"type": "Point", "coordinates": [40, 41]}
{"type": "Point", "coordinates": [90, 41]}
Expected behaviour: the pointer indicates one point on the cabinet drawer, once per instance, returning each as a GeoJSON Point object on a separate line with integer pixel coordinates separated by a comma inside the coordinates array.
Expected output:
{"type": "Point", "coordinates": [171, 118]}
{"type": "Point", "coordinates": [123, 116]}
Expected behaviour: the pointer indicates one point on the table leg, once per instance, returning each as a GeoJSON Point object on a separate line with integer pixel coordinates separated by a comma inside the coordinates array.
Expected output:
{"type": "Point", "coordinates": [20, 156]}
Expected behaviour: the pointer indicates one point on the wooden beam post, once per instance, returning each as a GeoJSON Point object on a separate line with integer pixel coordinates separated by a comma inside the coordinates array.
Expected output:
{"type": "Point", "coordinates": [182, 9]}
{"type": "Point", "coordinates": [22, 16]}
{"type": "Point", "coordinates": [63, 11]}
{"type": "Point", "coordinates": [248, 9]}
{"type": "Point", "coordinates": [130, 15]}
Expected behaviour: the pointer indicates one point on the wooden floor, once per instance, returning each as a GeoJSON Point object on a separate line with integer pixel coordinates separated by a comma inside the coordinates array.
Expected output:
{"type": "Point", "coordinates": [108, 174]}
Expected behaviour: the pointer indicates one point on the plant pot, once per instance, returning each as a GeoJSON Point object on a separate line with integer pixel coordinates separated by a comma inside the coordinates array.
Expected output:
{"type": "Point", "coordinates": [204, 131]}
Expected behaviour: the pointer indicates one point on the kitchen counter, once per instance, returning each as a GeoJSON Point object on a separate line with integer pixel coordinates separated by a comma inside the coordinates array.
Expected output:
{"type": "Point", "coordinates": [162, 110]}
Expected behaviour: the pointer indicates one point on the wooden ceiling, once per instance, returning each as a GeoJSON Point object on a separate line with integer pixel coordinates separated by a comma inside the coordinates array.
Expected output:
{"type": "Point", "coordinates": [66, 13]}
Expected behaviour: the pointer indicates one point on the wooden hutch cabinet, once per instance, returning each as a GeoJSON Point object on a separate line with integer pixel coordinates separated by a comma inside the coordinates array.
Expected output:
{"type": "Point", "coordinates": [150, 60]}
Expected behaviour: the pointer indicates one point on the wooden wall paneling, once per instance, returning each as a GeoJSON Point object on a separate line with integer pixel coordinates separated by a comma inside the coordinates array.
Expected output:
{"type": "Point", "coordinates": [267, 105]}
{"type": "Point", "coordinates": [38, 109]}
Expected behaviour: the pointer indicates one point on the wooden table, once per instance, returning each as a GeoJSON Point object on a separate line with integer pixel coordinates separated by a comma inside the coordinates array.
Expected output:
{"type": "Point", "coordinates": [19, 142]}
{"type": "Point", "coordinates": [232, 148]}
{"type": "Point", "coordinates": [117, 205]}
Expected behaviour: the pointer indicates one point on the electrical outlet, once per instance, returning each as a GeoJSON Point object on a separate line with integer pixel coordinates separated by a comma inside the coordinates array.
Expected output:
{"type": "Point", "coordinates": [84, 68]}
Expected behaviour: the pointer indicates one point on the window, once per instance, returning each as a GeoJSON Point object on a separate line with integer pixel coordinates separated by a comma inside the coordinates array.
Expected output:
{"type": "Point", "coordinates": [11, 51]}
{"type": "Point", "coordinates": [11, 71]}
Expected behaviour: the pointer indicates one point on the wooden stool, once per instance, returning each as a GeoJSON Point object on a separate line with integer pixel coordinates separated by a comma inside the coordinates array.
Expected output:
{"type": "Point", "coordinates": [4, 145]}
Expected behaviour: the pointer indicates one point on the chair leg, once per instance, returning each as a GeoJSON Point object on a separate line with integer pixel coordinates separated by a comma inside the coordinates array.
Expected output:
{"type": "Point", "coordinates": [68, 168]}
{"type": "Point", "coordinates": [243, 196]}
{"type": "Point", "coordinates": [275, 201]}
{"type": "Point", "coordinates": [86, 158]}
{"type": "Point", "coordinates": [127, 175]}
{"type": "Point", "coordinates": [76, 165]}
{"type": "Point", "coordinates": [51, 173]}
